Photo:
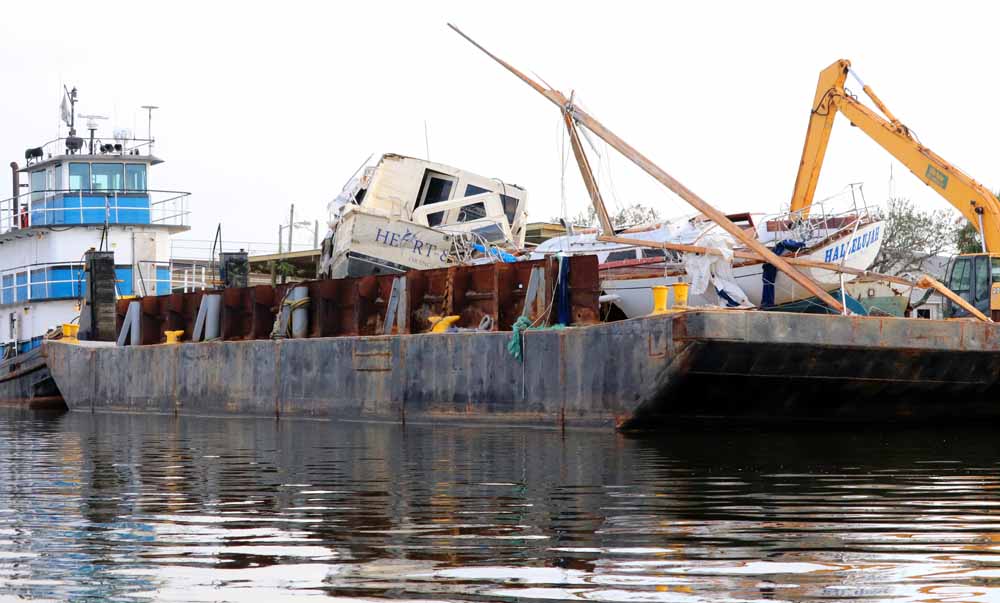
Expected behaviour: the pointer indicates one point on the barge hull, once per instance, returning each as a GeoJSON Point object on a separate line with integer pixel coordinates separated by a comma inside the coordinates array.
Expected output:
{"type": "Point", "coordinates": [696, 365]}
{"type": "Point", "coordinates": [25, 380]}
{"type": "Point", "coordinates": [566, 377]}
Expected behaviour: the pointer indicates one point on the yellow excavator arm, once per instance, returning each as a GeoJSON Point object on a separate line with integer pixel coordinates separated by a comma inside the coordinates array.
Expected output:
{"type": "Point", "coordinates": [975, 201]}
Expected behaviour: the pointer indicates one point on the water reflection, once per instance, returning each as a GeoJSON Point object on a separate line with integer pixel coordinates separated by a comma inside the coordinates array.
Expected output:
{"type": "Point", "coordinates": [126, 508]}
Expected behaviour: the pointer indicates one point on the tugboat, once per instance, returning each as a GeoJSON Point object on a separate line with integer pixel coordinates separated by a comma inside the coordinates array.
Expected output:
{"type": "Point", "coordinates": [73, 195]}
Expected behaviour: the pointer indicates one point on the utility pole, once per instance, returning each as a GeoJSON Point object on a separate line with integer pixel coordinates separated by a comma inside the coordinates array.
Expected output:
{"type": "Point", "coordinates": [316, 235]}
{"type": "Point", "coordinates": [291, 226]}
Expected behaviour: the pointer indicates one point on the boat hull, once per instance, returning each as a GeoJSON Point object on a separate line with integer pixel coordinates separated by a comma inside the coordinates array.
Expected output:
{"type": "Point", "coordinates": [26, 381]}
{"type": "Point", "coordinates": [857, 251]}
{"type": "Point", "coordinates": [769, 367]}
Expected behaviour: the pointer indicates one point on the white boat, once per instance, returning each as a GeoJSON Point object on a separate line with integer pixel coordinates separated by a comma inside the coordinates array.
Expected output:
{"type": "Point", "coordinates": [629, 272]}
{"type": "Point", "coordinates": [405, 213]}
{"type": "Point", "coordinates": [81, 193]}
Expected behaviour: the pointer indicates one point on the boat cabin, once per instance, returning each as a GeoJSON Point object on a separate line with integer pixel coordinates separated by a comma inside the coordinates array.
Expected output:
{"type": "Point", "coordinates": [443, 197]}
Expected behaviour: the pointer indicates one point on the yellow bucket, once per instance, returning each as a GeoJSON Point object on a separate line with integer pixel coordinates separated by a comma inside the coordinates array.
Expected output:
{"type": "Point", "coordinates": [680, 294]}
{"type": "Point", "coordinates": [660, 299]}
{"type": "Point", "coordinates": [173, 336]}
{"type": "Point", "coordinates": [69, 331]}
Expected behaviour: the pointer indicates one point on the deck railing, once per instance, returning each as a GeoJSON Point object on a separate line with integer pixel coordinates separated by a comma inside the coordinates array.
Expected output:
{"type": "Point", "coordinates": [66, 280]}
{"type": "Point", "coordinates": [65, 207]}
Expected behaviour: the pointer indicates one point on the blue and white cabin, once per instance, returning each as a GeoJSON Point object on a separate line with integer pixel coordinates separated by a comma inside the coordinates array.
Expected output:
{"type": "Point", "coordinates": [74, 194]}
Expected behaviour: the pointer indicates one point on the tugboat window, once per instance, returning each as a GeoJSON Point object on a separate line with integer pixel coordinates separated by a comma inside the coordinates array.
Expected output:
{"type": "Point", "coordinates": [79, 176]}
{"type": "Point", "coordinates": [37, 185]}
{"type": "Point", "coordinates": [135, 177]}
{"type": "Point", "coordinates": [107, 177]}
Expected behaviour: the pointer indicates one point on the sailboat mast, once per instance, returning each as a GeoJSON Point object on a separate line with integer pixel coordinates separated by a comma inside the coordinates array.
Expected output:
{"type": "Point", "coordinates": [578, 116]}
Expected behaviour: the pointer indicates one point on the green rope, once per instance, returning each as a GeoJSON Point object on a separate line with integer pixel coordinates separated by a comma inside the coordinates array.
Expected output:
{"type": "Point", "coordinates": [516, 344]}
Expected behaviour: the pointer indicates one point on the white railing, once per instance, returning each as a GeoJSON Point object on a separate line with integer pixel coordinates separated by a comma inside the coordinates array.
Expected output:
{"type": "Point", "coordinates": [49, 280]}
{"type": "Point", "coordinates": [65, 208]}
{"type": "Point", "coordinates": [816, 222]}
{"type": "Point", "coordinates": [112, 147]}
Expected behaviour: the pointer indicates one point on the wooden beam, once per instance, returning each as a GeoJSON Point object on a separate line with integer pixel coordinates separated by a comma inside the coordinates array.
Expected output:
{"type": "Point", "coordinates": [929, 282]}
{"type": "Point", "coordinates": [588, 176]}
{"type": "Point", "coordinates": [664, 178]}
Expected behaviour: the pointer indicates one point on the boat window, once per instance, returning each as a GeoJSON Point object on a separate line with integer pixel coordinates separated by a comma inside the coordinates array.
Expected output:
{"type": "Point", "coordinates": [37, 185]}
{"type": "Point", "coordinates": [79, 176]}
{"type": "Point", "coordinates": [435, 218]}
{"type": "Point", "coordinates": [472, 189]}
{"type": "Point", "coordinates": [961, 275]}
{"type": "Point", "coordinates": [435, 188]}
{"type": "Point", "coordinates": [135, 177]}
{"type": "Point", "coordinates": [472, 211]}
{"type": "Point", "coordinates": [509, 208]}
{"type": "Point", "coordinates": [618, 256]}
{"type": "Point", "coordinates": [491, 233]}
{"type": "Point", "coordinates": [652, 252]}
{"type": "Point", "coordinates": [107, 177]}
{"type": "Point", "coordinates": [982, 278]}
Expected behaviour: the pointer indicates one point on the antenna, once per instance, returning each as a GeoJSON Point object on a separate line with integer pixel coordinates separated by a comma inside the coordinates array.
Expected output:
{"type": "Point", "coordinates": [92, 126]}
{"type": "Point", "coordinates": [149, 124]}
{"type": "Point", "coordinates": [427, 143]}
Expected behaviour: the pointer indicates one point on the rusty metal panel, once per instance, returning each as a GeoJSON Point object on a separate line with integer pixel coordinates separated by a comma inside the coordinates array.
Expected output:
{"type": "Point", "coordinates": [474, 294]}
{"type": "Point", "coordinates": [585, 289]}
{"type": "Point", "coordinates": [428, 293]}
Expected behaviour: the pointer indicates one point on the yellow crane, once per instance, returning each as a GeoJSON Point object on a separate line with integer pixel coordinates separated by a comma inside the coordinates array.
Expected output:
{"type": "Point", "coordinates": [976, 277]}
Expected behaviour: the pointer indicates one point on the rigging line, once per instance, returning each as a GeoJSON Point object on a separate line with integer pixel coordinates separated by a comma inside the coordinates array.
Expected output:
{"type": "Point", "coordinates": [611, 182]}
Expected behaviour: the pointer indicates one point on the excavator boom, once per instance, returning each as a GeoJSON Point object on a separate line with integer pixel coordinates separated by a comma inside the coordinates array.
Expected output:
{"type": "Point", "coordinates": [972, 199]}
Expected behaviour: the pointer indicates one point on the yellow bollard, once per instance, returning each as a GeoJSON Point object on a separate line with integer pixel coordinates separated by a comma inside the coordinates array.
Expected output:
{"type": "Point", "coordinates": [441, 324]}
{"type": "Point", "coordinates": [69, 332]}
{"type": "Point", "coordinates": [660, 299]}
{"type": "Point", "coordinates": [173, 336]}
{"type": "Point", "coordinates": [680, 294]}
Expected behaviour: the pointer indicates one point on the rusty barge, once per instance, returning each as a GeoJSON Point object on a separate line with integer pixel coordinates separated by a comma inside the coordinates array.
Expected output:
{"type": "Point", "coordinates": [368, 348]}
{"type": "Point", "coordinates": [530, 343]}
{"type": "Point", "coordinates": [637, 373]}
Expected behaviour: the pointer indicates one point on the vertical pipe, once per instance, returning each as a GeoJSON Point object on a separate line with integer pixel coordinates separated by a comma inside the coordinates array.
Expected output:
{"type": "Point", "coordinates": [300, 316]}
{"type": "Point", "coordinates": [15, 179]}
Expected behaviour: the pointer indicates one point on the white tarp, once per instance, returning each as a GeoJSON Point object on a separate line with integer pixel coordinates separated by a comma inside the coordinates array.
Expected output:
{"type": "Point", "coordinates": [717, 270]}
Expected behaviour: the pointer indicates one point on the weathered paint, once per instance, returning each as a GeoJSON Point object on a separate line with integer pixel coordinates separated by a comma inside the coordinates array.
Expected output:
{"type": "Point", "coordinates": [634, 373]}
{"type": "Point", "coordinates": [469, 376]}
{"type": "Point", "coordinates": [25, 381]}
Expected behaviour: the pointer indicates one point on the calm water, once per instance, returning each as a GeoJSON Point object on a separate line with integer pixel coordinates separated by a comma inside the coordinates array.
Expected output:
{"type": "Point", "coordinates": [151, 508]}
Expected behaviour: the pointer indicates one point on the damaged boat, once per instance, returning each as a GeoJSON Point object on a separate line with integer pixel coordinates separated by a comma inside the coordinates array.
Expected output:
{"type": "Point", "coordinates": [405, 213]}
{"type": "Point", "coordinates": [849, 239]}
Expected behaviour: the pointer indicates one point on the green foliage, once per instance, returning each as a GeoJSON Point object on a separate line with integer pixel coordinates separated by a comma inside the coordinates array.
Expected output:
{"type": "Point", "coordinates": [967, 239]}
{"type": "Point", "coordinates": [284, 268]}
{"type": "Point", "coordinates": [636, 213]}
{"type": "Point", "coordinates": [911, 236]}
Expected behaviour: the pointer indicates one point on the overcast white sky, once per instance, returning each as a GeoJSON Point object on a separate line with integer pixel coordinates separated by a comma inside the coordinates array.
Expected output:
{"type": "Point", "coordinates": [265, 104]}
